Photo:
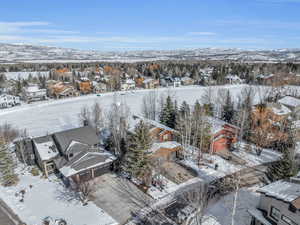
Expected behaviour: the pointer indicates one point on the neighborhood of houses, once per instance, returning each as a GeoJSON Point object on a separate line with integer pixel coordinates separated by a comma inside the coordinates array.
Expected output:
{"type": "Point", "coordinates": [79, 156]}
{"type": "Point", "coordinates": [27, 87]}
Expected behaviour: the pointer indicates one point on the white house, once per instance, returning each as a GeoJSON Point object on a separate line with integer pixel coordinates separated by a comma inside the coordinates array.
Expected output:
{"type": "Point", "coordinates": [177, 82]}
{"type": "Point", "coordinates": [8, 101]}
{"type": "Point", "coordinates": [128, 84]}
{"type": "Point", "coordinates": [234, 79]}
{"type": "Point", "coordinates": [34, 93]}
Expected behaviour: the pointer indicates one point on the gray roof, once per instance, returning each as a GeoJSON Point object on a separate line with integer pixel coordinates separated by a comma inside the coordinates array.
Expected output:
{"type": "Point", "coordinates": [283, 190]}
{"type": "Point", "coordinates": [86, 160]}
{"type": "Point", "coordinates": [86, 135]}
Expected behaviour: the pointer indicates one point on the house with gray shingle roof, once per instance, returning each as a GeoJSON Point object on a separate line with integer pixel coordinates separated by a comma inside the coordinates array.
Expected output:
{"type": "Point", "coordinates": [75, 154]}
{"type": "Point", "coordinates": [279, 203]}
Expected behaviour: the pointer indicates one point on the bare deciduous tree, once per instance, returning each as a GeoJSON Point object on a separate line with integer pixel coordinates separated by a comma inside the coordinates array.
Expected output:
{"type": "Point", "coordinates": [195, 196]}
{"type": "Point", "coordinates": [85, 190]}
{"type": "Point", "coordinates": [149, 106]}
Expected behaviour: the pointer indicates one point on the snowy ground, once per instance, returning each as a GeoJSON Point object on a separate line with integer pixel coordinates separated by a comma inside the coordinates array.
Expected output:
{"type": "Point", "coordinates": [50, 198]}
{"type": "Point", "coordinates": [249, 158]}
{"type": "Point", "coordinates": [50, 116]}
{"type": "Point", "coordinates": [168, 187]}
{"type": "Point", "coordinates": [221, 210]}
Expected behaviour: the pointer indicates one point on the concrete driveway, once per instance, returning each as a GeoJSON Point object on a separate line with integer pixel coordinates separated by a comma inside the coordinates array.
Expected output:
{"type": "Point", "coordinates": [7, 216]}
{"type": "Point", "coordinates": [118, 197]}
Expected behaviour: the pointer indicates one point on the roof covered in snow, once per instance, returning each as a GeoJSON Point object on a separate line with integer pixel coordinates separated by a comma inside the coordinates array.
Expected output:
{"type": "Point", "coordinates": [45, 147]}
{"type": "Point", "coordinates": [33, 88]}
{"type": "Point", "coordinates": [136, 119]}
{"type": "Point", "coordinates": [216, 124]}
{"type": "Point", "coordinates": [167, 144]}
{"type": "Point", "coordinates": [290, 101]}
{"type": "Point", "coordinates": [282, 190]}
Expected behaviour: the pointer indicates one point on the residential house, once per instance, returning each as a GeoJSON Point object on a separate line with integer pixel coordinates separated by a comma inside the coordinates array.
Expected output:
{"type": "Point", "coordinates": [9, 101]}
{"type": "Point", "coordinates": [63, 74]}
{"type": "Point", "coordinates": [99, 87]}
{"type": "Point", "coordinates": [270, 119]}
{"type": "Point", "coordinates": [34, 93]}
{"type": "Point", "coordinates": [46, 152]}
{"type": "Point", "coordinates": [164, 138]}
{"type": "Point", "coordinates": [233, 79]}
{"type": "Point", "coordinates": [139, 81]}
{"type": "Point", "coordinates": [279, 204]}
{"type": "Point", "coordinates": [223, 134]}
{"type": "Point", "coordinates": [62, 90]}
{"type": "Point", "coordinates": [150, 83]}
{"type": "Point", "coordinates": [128, 84]}
{"type": "Point", "coordinates": [292, 103]}
{"type": "Point", "coordinates": [177, 82]}
{"type": "Point", "coordinates": [158, 131]}
{"type": "Point", "coordinates": [82, 158]}
{"type": "Point", "coordinates": [187, 81]}
{"type": "Point", "coordinates": [84, 85]}
{"type": "Point", "coordinates": [166, 151]}
{"type": "Point", "coordinates": [75, 154]}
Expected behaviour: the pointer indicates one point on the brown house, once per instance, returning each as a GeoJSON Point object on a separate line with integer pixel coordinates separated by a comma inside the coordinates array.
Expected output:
{"type": "Point", "coordinates": [269, 121]}
{"type": "Point", "coordinates": [158, 131]}
{"type": "Point", "coordinates": [62, 90]}
{"type": "Point", "coordinates": [150, 83]}
{"type": "Point", "coordinates": [84, 86]}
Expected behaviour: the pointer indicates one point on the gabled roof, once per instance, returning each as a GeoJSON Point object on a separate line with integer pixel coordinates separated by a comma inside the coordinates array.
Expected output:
{"type": "Point", "coordinates": [217, 124]}
{"type": "Point", "coordinates": [85, 135]}
{"type": "Point", "coordinates": [135, 120]}
{"type": "Point", "coordinates": [84, 161]}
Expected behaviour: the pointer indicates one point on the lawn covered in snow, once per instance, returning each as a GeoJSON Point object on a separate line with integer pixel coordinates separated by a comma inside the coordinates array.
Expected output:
{"type": "Point", "coordinates": [48, 197]}
{"type": "Point", "coordinates": [50, 116]}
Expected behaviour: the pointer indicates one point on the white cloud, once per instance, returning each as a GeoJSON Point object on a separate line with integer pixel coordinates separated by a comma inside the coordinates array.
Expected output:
{"type": "Point", "coordinates": [201, 33]}
{"type": "Point", "coordinates": [28, 27]}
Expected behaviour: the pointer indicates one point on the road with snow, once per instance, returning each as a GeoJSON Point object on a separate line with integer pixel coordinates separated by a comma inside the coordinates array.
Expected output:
{"type": "Point", "coordinates": [40, 118]}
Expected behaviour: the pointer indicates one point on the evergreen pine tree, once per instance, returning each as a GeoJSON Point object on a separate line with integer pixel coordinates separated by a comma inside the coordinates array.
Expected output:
{"type": "Point", "coordinates": [282, 169]}
{"type": "Point", "coordinates": [228, 109]}
{"type": "Point", "coordinates": [137, 161]}
{"type": "Point", "coordinates": [7, 166]}
{"type": "Point", "coordinates": [168, 113]}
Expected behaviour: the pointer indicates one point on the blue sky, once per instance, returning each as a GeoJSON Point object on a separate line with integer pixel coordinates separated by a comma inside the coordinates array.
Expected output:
{"type": "Point", "coordinates": [152, 24]}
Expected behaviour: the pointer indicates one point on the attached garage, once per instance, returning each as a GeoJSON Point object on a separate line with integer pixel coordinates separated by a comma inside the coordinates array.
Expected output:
{"type": "Point", "coordinates": [85, 175]}
{"type": "Point", "coordinates": [101, 170]}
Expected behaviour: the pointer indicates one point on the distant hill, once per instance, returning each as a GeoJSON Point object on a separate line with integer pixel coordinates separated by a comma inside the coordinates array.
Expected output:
{"type": "Point", "coordinates": [12, 53]}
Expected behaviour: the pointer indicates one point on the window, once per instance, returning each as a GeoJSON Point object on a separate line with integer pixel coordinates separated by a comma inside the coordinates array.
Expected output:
{"type": "Point", "coordinates": [274, 213]}
{"type": "Point", "coordinates": [71, 155]}
{"type": "Point", "coordinates": [288, 220]}
{"type": "Point", "coordinates": [165, 137]}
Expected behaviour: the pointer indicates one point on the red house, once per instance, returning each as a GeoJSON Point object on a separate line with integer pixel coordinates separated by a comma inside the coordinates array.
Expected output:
{"type": "Point", "coordinates": [223, 134]}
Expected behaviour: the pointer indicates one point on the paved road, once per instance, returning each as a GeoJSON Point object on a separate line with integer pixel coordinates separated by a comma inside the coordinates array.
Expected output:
{"type": "Point", "coordinates": [7, 217]}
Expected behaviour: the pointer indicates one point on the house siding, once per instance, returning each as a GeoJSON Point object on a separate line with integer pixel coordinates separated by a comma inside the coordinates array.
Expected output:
{"type": "Point", "coordinates": [267, 202]}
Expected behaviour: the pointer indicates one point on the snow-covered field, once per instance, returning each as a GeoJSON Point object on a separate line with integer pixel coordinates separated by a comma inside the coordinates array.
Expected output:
{"type": "Point", "coordinates": [40, 118]}
{"type": "Point", "coordinates": [48, 197]}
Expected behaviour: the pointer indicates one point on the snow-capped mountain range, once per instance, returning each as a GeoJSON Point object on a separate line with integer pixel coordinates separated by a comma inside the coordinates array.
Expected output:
{"type": "Point", "coordinates": [13, 53]}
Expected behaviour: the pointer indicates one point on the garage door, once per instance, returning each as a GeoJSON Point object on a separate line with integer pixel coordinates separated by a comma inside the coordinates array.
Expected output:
{"type": "Point", "coordinates": [100, 171]}
{"type": "Point", "coordinates": [85, 176]}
